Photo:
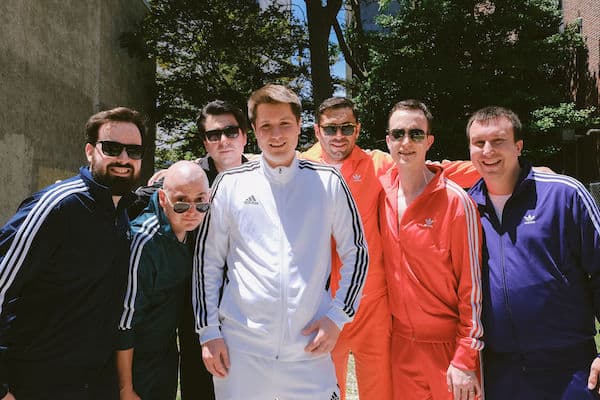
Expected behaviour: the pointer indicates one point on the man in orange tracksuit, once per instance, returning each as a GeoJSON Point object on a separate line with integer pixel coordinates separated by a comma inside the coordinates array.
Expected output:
{"type": "Point", "coordinates": [368, 336]}
{"type": "Point", "coordinates": [431, 239]}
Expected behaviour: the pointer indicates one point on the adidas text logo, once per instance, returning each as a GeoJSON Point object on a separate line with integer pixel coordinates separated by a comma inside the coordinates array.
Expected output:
{"type": "Point", "coordinates": [251, 200]}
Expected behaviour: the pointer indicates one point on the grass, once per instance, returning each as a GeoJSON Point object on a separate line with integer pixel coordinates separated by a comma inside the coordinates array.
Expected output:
{"type": "Point", "coordinates": [351, 387]}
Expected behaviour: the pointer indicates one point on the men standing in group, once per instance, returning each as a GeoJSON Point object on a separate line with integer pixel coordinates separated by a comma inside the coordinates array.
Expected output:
{"type": "Point", "coordinates": [63, 271]}
{"type": "Point", "coordinates": [431, 242]}
{"type": "Point", "coordinates": [160, 271]}
{"type": "Point", "coordinates": [271, 222]}
{"type": "Point", "coordinates": [541, 276]}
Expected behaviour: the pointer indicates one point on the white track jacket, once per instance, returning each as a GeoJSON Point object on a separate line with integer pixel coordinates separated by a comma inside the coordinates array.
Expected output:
{"type": "Point", "coordinates": [272, 228]}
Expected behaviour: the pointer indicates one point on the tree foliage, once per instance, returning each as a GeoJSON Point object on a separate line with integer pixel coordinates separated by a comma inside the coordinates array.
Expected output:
{"type": "Point", "coordinates": [214, 49]}
{"type": "Point", "coordinates": [458, 56]}
{"type": "Point", "coordinates": [549, 120]}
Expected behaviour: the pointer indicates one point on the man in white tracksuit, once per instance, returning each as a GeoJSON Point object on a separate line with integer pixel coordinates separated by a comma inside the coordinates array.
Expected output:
{"type": "Point", "coordinates": [271, 222]}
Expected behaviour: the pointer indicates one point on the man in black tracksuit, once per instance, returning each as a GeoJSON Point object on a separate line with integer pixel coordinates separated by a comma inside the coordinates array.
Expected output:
{"type": "Point", "coordinates": [63, 271]}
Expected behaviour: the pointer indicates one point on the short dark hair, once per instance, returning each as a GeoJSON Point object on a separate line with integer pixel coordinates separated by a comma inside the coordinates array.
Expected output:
{"type": "Point", "coordinates": [490, 113]}
{"type": "Point", "coordinates": [412, 105]}
{"type": "Point", "coordinates": [118, 114]}
{"type": "Point", "coordinates": [220, 107]}
{"type": "Point", "coordinates": [273, 94]}
{"type": "Point", "coordinates": [333, 103]}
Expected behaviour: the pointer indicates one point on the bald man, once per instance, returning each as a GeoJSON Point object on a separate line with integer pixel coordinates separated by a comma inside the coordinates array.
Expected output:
{"type": "Point", "coordinates": [160, 267]}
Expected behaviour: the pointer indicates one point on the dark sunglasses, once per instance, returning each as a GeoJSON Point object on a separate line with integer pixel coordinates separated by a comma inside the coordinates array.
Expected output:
{"type": "Point", "coordinates": [182, 206]}
{"type": "Point", "coordinates": [114, 149]}
{"type": "Point", "coordinates": [331, 130]}
{"type": "Point", "coordinates": [416, 135]}
{"type": "Point", "coordinates": [230, 132]}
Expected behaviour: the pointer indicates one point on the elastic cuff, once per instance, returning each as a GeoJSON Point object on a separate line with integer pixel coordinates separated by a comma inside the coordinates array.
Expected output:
{"type": "Point", "coordinates": [338, 317]}
{"type": "Point", "coordinates": [209, 333]}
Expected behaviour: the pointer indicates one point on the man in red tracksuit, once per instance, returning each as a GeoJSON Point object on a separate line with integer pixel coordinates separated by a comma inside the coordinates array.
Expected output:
{"type": "Point", "coordinates": [368, 336]}
{"type": "Point", "coordinates": [431, 238]}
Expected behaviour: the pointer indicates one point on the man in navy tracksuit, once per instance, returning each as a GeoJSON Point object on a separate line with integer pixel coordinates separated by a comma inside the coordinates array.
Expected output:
{"type": "Point", "coordinates": [63, 271]}
{"type": "Point", "coordinates": [541, 270]}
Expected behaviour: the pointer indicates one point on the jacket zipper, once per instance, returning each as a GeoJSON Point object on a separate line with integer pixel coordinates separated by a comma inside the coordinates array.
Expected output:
{"type": "Point", "coordinates": [504, 284]}
{"type": "Point", "coordinates": [283, 290]}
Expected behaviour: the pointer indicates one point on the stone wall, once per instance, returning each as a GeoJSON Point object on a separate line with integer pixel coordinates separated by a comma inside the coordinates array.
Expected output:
{"type": "Point", "coordinates": [60, 62]}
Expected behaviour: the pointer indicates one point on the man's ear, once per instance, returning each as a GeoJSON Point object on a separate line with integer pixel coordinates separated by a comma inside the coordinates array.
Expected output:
{"type": "Point", "coordinates": [519, 145]}
{"type": "Point", "coordinates": [161, 199]}
{"type": "Point", "coordinates": [89, 150]}
{"type": "Point", "coordinates": [317, 131]}
{"type": "Point", "coordinates": [430, 139]}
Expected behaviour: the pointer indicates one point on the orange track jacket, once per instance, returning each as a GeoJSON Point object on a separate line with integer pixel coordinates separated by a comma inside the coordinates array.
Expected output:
{"type": "Point", "coordinates": [433, 265]}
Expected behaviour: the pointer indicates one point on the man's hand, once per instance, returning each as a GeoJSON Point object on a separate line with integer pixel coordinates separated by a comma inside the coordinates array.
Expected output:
{"type": "Point", "coordinates": [543, 169]}
{"type": "Point", "coordinates": [216, 357]}
{"type": "Point", "coordinates": [594, 373]}
{"type": "Point", "coordinates": [327, 335]}
{"type": "Point", "coordinates": [127, 393]}
{"type": "Point", "coordinates": [158, 175]}
{"type": "Point", "coordinates": [463, 384]}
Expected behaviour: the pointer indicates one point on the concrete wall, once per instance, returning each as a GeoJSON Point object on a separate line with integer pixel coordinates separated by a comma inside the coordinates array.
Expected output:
{"type": "Point", "coordinates": [60, 62]}
{"type": "Point", "coordinates": [588, 12]}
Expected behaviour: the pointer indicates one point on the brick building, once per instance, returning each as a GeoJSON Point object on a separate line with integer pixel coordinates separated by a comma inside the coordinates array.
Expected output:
{"type": "Point", "coordinates": [586, 15]}
{"type": "Point", "coordinates": [583, 154]}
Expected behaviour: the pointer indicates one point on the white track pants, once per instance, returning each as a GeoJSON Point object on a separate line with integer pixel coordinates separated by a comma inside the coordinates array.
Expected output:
{"type": "Point", "coordinates": [256, 378]}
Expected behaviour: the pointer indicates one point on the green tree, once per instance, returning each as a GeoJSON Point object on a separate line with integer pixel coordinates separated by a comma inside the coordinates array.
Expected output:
{"type": "Point", "coordinates": [213, 49]}
{"type": "Point", "coordinates": [458, 56]}
{"type": "Point", "coordinates": [547, 125]}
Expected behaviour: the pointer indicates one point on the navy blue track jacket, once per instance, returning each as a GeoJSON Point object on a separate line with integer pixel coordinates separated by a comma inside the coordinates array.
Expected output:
{"type": "Point", "coordinates": [63, 273]}
{"type": "Point", "coordinates": [541, 265]}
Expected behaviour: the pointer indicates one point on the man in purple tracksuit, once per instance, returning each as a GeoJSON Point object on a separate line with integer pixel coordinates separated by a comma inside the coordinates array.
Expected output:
{"type": "Point", "coordinates": [541, 270]}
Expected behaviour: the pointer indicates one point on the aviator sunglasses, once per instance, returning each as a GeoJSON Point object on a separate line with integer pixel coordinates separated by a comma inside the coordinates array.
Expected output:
{"type": "Point", "coordinates": [331, 130]}
{"type": "Point", "coordinates": [416, 135]}
{"type": "Point", "coordinates": [182, 206]}
{"type": "Point", "coordinates": [114, 149]}
{"type": "Point", "coordinates": [230, 132]}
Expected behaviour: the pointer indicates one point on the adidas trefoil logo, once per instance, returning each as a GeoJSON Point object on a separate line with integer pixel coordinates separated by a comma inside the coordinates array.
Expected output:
{"type": "Point", "coordinates": [529, 219]}
{"type": "Point", "coordinates": [428, 223]}
{"type": "Point", "coordinates": [251, 201]}
{"type": "Point", "coordinates": [356, 178]}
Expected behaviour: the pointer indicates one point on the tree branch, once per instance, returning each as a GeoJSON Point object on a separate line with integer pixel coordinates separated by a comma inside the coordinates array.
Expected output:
{"type": "Point", "coordinates": [357, 70]}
